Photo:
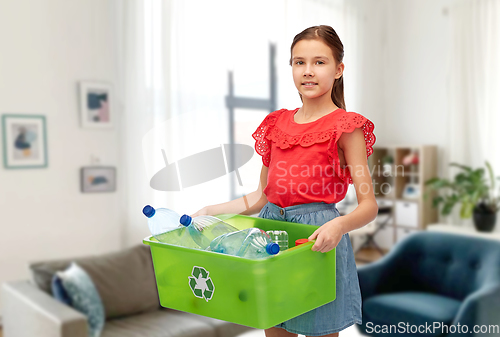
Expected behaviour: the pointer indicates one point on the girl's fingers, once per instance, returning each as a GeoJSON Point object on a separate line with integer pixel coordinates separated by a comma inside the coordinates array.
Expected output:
{"type": "Point", "coordinates": [318, 244]}
{"type": "Point", "coordinates": [313, 235]}
{"type": "Point", "coordinates": [327, 249]}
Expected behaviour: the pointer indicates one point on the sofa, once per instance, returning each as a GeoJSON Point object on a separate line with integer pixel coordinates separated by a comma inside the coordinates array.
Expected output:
{"type": "Point", "coordinates": [433, 279]}
{"type": "Point", "coordinates": [126, 285]}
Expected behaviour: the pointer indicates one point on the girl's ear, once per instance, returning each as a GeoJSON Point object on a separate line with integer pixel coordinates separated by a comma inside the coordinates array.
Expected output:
{"type": "Point", "coordinates": [340, 70]}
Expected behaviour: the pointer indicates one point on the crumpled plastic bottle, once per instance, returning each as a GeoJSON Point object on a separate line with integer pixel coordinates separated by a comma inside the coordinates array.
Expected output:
{"type": "Point", "coordinates": [251, 243]}
{"type": "Point", "coordinates": [205, 228]}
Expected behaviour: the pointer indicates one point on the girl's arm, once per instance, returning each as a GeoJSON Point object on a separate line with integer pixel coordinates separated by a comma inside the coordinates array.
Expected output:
{"type": "Point", "coordinates": [247, 205]}
{"type": "Point", "coordinates": [354, 147]}
{"type": "Point", "coordinates": [328, 236]}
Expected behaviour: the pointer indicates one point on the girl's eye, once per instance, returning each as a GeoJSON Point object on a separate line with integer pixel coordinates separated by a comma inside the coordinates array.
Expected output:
{"type": "Point", "coordinates": [300, 62]}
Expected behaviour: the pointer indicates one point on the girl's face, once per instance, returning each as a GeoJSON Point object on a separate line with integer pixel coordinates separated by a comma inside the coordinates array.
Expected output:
{"type": "Point", "coordinates": [314, 68]}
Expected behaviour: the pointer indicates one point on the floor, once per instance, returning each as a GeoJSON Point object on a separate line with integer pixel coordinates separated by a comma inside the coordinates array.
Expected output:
{"type": "Point", "coordinates": [351, 331]}
{"type": "Point", "coordinates": [368, 255]}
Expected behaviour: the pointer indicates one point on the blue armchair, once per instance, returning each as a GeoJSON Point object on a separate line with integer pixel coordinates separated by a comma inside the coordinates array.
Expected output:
{"type": "Point", "coordinates": [430, 281]}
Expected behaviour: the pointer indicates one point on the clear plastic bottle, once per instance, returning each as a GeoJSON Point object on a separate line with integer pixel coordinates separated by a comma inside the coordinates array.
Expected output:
{"type": "Point", "coordinates": [251, 243]}
{"type": "Point", "coordinates": [164, 225]}
{"type": "Point", "coordinates": [204, 228]}
{"type": "Point", "coordinates": [279, 237]}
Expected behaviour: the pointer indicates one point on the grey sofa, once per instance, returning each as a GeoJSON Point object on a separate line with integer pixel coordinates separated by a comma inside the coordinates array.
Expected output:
{"type": "Point", "coordinates": [126, 284]}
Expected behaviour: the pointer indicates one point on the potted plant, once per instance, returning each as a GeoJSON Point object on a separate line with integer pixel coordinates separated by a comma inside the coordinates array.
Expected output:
{"type": "Point", "coordinates": [387, 162]}
{"type": "Point", "coordinates": [475, 193]}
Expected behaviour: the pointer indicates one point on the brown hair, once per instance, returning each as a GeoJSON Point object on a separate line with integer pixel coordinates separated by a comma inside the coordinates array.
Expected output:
{"type": "Point", "coordinates": [332, 40]}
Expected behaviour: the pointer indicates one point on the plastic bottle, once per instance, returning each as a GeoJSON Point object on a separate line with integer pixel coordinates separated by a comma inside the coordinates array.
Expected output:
{"type": "Point", "coordinates": [251, 243]}
{"type": "Point", "coordinates": [165, 227]}
{"type": "Point", "coordinates": [279, 237]}
{"type": "Point", "coordinates": [301, 241]}
{"type": "Point", "coordinates": [205, 228]}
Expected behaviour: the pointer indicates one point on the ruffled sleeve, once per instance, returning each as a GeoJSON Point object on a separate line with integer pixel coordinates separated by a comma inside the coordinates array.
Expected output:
{"type": "Point", "coordinates": [261, 136]}
{"type": "Point", "coordinates": [346, 123]}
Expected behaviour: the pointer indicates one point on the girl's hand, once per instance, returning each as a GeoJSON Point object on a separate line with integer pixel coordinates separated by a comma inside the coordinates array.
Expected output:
{"type": "Point", "coordinates": [327, 236]}
{"type": "Point", "coordinates": [203, 211]}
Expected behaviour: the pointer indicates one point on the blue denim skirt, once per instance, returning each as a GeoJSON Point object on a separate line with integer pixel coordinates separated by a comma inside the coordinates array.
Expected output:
{"type": "Point", "coordinates": [345, 310]}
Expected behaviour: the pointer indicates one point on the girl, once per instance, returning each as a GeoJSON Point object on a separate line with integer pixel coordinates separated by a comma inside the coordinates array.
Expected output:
{"type": "Point", "coordinates": [310, 156]}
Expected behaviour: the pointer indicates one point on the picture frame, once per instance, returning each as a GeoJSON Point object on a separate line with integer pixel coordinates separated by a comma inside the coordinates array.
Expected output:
{"type": "Point", "coordinates": [24, 141]}
{"type": "Point", "coordinates": [96, 105]}
{"type": "Point", "coordinates": [98, 179]}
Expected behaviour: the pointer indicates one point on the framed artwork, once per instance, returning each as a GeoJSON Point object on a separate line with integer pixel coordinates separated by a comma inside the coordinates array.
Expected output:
{"type": "Point", "coordinates": [96, 105]}
{"type": "Point", "coordinates": [24, 141]}
{"type": "Point", "coordinates": [98, 179]}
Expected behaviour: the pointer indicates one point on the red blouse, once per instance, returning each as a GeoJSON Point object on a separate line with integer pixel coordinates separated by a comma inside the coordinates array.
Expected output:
{"type": "Point", "coordinates": [303, 159]}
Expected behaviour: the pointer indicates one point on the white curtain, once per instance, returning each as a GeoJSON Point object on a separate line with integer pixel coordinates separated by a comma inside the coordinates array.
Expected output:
{"type": "Point", "coordinates": [142, 33]}
{"type": "Point", "coordinates": [175, 57]}
{"type": "Point", "coordinates": [474, 119]}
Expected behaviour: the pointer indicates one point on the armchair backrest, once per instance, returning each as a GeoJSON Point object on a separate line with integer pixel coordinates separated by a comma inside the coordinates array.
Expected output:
{"type": "Point", "coordinates": [449, 264]}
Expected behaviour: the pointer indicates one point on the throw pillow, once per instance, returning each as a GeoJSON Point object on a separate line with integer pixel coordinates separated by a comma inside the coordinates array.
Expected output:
{"type": "Point", "coordinates": [84, 297]}
{"type": "Point", "coordinates": [58, 290]}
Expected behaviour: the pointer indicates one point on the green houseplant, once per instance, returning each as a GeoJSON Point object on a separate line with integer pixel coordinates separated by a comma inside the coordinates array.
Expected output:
{"type": "Point", "coordinates": [473, 191]}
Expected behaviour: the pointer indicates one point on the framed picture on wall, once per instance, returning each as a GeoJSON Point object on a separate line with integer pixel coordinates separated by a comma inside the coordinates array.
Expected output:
{"type": "Point", "coordinates": [98, 179]}
{"type": "Point", "coordinates": [96, 105]}
{"type": "Point", "coordinates": [24, 141]}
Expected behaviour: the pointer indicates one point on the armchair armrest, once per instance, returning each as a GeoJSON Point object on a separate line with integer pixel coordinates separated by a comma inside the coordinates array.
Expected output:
{"type": "Point", "coordinates": [28, 311]}
{"type": "Point", "coordinates": [372, 276]}
{"type": "Point", "coordinates": [482, 308]}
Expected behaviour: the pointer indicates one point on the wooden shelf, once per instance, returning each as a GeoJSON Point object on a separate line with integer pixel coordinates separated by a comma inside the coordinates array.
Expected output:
{"type": "Point", "coordinates": [409, 214]}
{"type": "Point", "coordinates": [408, 199]}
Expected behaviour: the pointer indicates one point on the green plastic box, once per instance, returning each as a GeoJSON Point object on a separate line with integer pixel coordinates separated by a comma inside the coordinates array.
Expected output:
{"type": "Point", "coordinates": [256, 293]}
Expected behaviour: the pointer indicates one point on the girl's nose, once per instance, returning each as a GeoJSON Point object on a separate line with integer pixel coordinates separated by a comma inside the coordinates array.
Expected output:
{"type": "Point", "coordinates": [308, 71]}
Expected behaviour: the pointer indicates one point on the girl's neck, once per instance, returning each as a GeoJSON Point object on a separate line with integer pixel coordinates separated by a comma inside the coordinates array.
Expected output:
{"type": "Point", "coordinates": [316, 107]}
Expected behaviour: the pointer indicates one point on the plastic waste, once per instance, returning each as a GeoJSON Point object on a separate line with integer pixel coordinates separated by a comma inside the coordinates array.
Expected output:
{"type": "Point", "coordinates": [205, 228]}
{"type": "Point", "coordinates": [251, 243]}
{"type": "Point", "coordinates": [164, 225]}
{"type": "Point", "coordinates": [301, 241]}
{"type": "Point", "coordinates": [279, 237]}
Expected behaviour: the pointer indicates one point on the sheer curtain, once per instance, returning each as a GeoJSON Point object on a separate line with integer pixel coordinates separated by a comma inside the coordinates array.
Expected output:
{"type": "Point", "coordinates": [142, 93]}
{"type": "Point", "coordinates": [175, 57]}
{"type": "Point", "coordinates": [474, 119]}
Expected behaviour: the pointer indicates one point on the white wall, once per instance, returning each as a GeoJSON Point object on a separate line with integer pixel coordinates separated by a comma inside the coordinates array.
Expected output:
{"type": "Point", "coordinates": [406, 60]}
{"type": "Point", "coordinates": [405, 69]}
{"type": "Point", "coordinates": [46, 48]}
{"type": "Point", "coordinates": [371, 86]}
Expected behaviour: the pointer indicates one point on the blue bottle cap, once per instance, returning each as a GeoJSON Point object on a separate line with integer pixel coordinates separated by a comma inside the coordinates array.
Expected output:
{"type": "Point", "coordinates": [186, 220]}
{"type": "Point", "coordinates": [272, 248]}
{"type": "Point", "coordinates": [148, 211]}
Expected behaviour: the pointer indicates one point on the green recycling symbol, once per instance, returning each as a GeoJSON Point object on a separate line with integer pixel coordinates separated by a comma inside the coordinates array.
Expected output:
{"type": "Point", "coordinates": [201, 285]}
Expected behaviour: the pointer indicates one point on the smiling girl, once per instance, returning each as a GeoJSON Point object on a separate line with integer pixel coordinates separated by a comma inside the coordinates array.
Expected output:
{"type": "Point", "coordinates": [310, 156]}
